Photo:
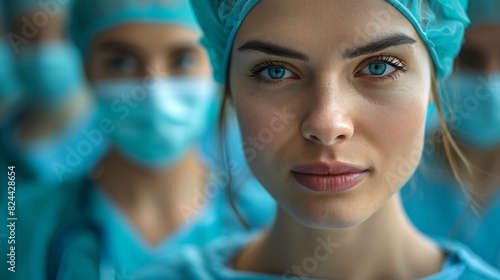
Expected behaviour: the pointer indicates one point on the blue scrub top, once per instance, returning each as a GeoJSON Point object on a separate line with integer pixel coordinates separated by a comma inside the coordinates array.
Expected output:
{"type": "Point", "coordinates": [213, 262]}
{"type": "Point", "coordinates": [437, 207]}
{"type": "Point", "coordinates": [106, 245]}
{"type": "Point", "coordinates": [40, 210]}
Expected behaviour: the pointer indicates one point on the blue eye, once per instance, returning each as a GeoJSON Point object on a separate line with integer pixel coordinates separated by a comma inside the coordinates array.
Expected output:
{"type": "Point", "coordinates": [383, 67]}
{"type": "Point", "coordinates": [276, 73]}
{"type": "Point", "coordinates": [123, 65]}
{"type": "Point", "coordinates": [271, 72]}
{"type": "Point", "coordinates": [185, 61]}
{"type": "Point", "coordinates": [378, 68]}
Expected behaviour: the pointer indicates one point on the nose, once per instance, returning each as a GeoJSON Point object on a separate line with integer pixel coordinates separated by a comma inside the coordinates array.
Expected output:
{"type": "Point", "coordinates": [154, 69]}
{"type": "Point", "coordinates": [329, 118]}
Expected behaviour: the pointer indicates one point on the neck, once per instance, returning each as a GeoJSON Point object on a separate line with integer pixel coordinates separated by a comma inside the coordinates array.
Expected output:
{"type": "Point", "coordinates": [385, 246]}
{"type": "Point", "coordinates": [154, 200]}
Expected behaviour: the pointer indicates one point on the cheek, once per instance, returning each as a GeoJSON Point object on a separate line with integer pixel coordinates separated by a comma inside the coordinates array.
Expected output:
{"type": "Point", "coordinates": [94, 66]}
{"type": "Point", "coordinates": [204, 67]}
{"type": "Point", "coordinates": [266, 130]}
{"type": "Point", "coordinates": [250, 118]}
{"type": "Point", "coordinates": [251, 121]}
{"type": "Point", "coordinates": [404, 125]}
{"type": "Point", "coordinates": [255, 121]}
{"type": "Point", "coordinates": [263, 119]}
{"type": "Point", "coordinates": [401, 141]}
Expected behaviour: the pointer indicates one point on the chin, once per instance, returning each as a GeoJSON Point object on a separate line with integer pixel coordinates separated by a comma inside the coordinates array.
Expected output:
{"type": "Point", "coordinates": [328, 217]}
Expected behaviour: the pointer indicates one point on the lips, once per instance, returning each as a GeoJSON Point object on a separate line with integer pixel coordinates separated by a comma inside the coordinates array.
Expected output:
{"type": "Point", "coordinates": [322, 177]}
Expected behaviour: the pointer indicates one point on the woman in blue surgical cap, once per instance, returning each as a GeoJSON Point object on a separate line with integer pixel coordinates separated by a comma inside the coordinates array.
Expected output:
{"type": "Point", "coordinates": [471, 104]}
{"type": "Point", "coordinates": [155, 190]}
{"type": "Point", "coordinates": [353, 80]}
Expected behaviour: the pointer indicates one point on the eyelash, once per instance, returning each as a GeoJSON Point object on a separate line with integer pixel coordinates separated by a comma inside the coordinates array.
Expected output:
{"type": "Point", "coordinates": [392, 61]}
{"type": "Point", "coordinates": [115, 63]}
{"type": "Point", "coordinates": [255, 71]}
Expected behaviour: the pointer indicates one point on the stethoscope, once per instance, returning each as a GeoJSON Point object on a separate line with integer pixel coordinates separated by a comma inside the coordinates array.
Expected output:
{"type": "Point", "coordinates": [78, 227]}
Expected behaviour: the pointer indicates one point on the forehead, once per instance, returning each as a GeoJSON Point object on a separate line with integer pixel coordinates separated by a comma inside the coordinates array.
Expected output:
{"type": "Point", "coordinates": [307, 24]}
{"type": "Point", "coordinates": [149, 37]}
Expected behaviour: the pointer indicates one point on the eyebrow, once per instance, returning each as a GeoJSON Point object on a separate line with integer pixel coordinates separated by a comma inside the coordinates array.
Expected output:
{"type": "Point", "coordinates": [117, 46]}
{"type": "Point", "coordinates": [272, 49]}
{"type": "Point", "coordinates": [184, 47]}
{"type": "Point", "coordinates": [381, 44]}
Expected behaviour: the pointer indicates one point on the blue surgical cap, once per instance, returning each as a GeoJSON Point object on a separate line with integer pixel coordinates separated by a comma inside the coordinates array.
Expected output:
{"type": "Point", "coordinates": [440, 23]}
{"type": "Point", "coordinates": [484, 12]}
{"type": "Point", "coordinates": [91, 17]}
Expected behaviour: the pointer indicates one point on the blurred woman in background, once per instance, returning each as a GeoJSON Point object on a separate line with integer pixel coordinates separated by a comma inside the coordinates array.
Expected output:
{"type": "Point", "coordinates": [471, 104]}
{"type": "Point", "coordinates": [157, 188]}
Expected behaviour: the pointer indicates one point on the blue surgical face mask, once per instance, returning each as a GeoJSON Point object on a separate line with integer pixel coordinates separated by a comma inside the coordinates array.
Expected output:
{"type": "Point", "coordinates": [51, 72]}
{"type": "Point", "coordinates": [473, 110]}
{"type": "Point", "coordinates": [10, 87]}
{"type": "Point", "coordinates": [155, 121]}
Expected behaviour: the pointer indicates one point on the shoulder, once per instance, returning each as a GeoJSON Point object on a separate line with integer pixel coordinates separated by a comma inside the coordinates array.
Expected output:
{"type": "Point", "coordinates": [470, 266]}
